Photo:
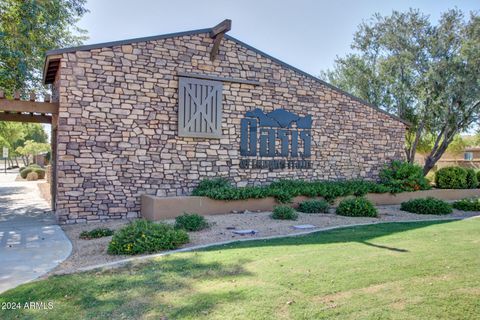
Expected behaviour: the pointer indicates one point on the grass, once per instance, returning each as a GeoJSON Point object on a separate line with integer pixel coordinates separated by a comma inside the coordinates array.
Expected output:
{"type": "Point", "coordinates": [422, 270]}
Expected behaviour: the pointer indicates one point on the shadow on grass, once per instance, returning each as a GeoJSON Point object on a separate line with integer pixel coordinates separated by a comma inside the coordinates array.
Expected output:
{"type": "Point", "coordinates": [130, 291]}
{"type": "Point", "coordinates": [361, 234]}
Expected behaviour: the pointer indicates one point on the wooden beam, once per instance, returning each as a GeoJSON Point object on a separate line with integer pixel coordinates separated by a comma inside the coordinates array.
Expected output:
{"type": "Point", "coordinates": [216, 46]}
{"type": "Point", "coordinates": [217, 34]}
{"type": "Point", "coordinates": [27, 106]}
{"type": "Point", "coordinates": [18, 117]}
{"type": "Point", "coordinates": [222, 27]}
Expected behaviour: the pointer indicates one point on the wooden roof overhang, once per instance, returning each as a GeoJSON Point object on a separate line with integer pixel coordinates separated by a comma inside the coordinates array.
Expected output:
{"type": "Point", "coordinates": [27, 111]}
{"type": "Point", "coordinates": [52, 63]}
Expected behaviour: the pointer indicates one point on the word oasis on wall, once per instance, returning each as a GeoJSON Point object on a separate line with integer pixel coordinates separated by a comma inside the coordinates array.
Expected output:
{"type": "Point", "coordinates": [276, 140]}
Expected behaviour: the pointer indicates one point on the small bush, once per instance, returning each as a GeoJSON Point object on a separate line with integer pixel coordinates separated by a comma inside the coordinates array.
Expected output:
{"type": "Point", "coordinates": [33, 168]}
{"type": "Point", "coordinates": [469, 204]}
{"type": "Point", "coordinates": [478, 176]}
{"type": "Point", "coordinates": [401, 176]}
{"type": "Point", "coordinates": [427, 206]}
{"type": "Point", "coordinates": [356, 207]}
{"type": "Point", "coordinates": [313, 206]}
{"type": "Point", "coordinates": [96, 233]}
{"type": "Point", "coordinates": [451, 178]}
{"type": "Point", "coordinates": [472, 180]}
{"type": "Point", "coordinates": [25, 172]}
{"type": "Point", "coordinates": [32, 176]}
{"type": "Point", "coordinates": [143, 236]}
{"type": "Point", "coordinates": [191, 222]}
{"type": "Point", "coordinates": [284, 213]}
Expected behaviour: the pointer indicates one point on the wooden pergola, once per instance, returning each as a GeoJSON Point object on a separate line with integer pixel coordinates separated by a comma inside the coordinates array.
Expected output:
{"type": "Point", "coordinates": [27, 110]}
{"type": "Point", "coordinates": [37, 112]}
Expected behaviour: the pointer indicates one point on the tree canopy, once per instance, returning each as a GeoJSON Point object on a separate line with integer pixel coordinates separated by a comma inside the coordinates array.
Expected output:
{"type": "Point", "coordinates": [427, 74]}
{"type": "Point", "coordinates": [29, 28]}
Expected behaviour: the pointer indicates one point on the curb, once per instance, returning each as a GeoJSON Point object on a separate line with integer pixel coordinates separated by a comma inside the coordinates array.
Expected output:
{"type": "Point", "coordinates": [120, 263]}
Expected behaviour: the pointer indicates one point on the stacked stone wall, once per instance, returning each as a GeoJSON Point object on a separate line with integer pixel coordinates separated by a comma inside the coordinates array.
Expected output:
{"type": "Point", "coordinates": [117, 132]}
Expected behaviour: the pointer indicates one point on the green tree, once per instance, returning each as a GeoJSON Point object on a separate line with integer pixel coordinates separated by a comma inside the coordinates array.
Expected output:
{"type": "Point", "coordinates": [15, 134]}
{"type": "Point", "coordinates": [32, 148]}
{"type": "Point", "coordinates": [426, 74]}
{"type": "Point", "coordinates": [29, 28]}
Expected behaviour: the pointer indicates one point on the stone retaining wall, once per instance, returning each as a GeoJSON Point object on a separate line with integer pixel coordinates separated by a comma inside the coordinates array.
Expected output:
{"type": "Point", "coordinates": [117, 132]}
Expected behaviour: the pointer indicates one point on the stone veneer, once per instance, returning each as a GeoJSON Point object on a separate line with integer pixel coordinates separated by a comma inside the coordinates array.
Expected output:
{"type": "Point", "coordinates": [117, 130]}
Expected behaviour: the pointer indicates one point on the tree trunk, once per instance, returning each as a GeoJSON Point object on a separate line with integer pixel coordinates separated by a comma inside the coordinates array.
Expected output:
{"type": "Point", "coordinates": [429, 164]}
{"type": "Point", "coordinates": [438, 150]}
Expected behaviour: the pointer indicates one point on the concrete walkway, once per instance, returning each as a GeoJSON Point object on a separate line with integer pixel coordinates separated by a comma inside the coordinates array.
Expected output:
{"type": "Point", "coordinates": [31, 243]}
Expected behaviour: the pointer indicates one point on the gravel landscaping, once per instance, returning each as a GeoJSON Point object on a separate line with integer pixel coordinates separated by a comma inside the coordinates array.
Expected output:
{"type": "Point", "coordinates": [92, 252]}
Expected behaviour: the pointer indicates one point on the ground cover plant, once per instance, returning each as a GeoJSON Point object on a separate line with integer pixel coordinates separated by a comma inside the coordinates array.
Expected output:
{"type": "Point", "coordinates": [141, 236]}
{"type": "Point", "coordinates": [191, 222]}
{"type": "Point", "coordinates": [356, 207]}
{"type": "Point", "coordinates": [96, 233]}
{"type": "Point", "coordinates": [421, 270]}
{"type": "Point", "coordinates": [399, 176]}
{"type": "Point", "coordinates": [313, 206]}
{"type": "Point", "coordinates": [469, 204]}
{"type": "Point", "coordinates": [285, 190]}
{"type": "Point", "coordinates": [426, 206]}
{"type": "Point", "coordinates": [284, 213]}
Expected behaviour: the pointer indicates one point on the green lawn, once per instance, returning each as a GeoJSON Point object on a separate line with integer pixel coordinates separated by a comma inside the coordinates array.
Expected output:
{"type": "Point", "coordinates": [423, 270]}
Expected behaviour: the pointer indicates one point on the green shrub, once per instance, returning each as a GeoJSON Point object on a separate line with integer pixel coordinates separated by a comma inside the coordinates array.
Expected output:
{"type": "Point", "coordinates": [96, 233]}
{"type": "Point", "coordinates": [33, 168]}
{"type": "Point", "coordinates": [285, 190]}
{"type": "Point", "coordinates": [401, 176]}
{"type": "Point", "coordinates": [284, 213]}
{"type": "Point", "coordinates": [478, 176]}
{"type": "Point", "coordinates": [426, 206]}
{"type": "Point", "coordinates": [210, 184]}
{"type": "Point", "coordinates": [191, 222]}
{"type": "Point", "coordinates": [451, 178]}
{"type": "Point", "coordinates": [469, 204]}
{"type": "Point", "coordinates": [141, 236]}
{"type": "Point", "coordinates": [356, 207]}
{"type": "Point", "coordinates": [472, 180]}
{"type": "Point", "coordinates": [313, 206]}
{"type": "Point", "coordinates": [25, 172]}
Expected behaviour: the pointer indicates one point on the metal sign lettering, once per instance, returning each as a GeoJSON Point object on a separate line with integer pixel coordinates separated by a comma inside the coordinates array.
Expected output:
{"type": "Point", "coordinates": [279, 133]}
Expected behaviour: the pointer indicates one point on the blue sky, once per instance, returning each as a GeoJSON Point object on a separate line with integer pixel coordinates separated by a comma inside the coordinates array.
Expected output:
{"type": "Point", "coordinates": [305, 33]}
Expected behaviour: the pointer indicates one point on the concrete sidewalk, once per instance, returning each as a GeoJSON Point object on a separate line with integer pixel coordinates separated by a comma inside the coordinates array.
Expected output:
{"type": "Point", "coordinates": [31, 242]}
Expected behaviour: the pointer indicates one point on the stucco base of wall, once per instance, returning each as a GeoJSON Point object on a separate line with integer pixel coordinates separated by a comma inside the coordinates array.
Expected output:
{"type": "Point", "coordinates": [158, 208]}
